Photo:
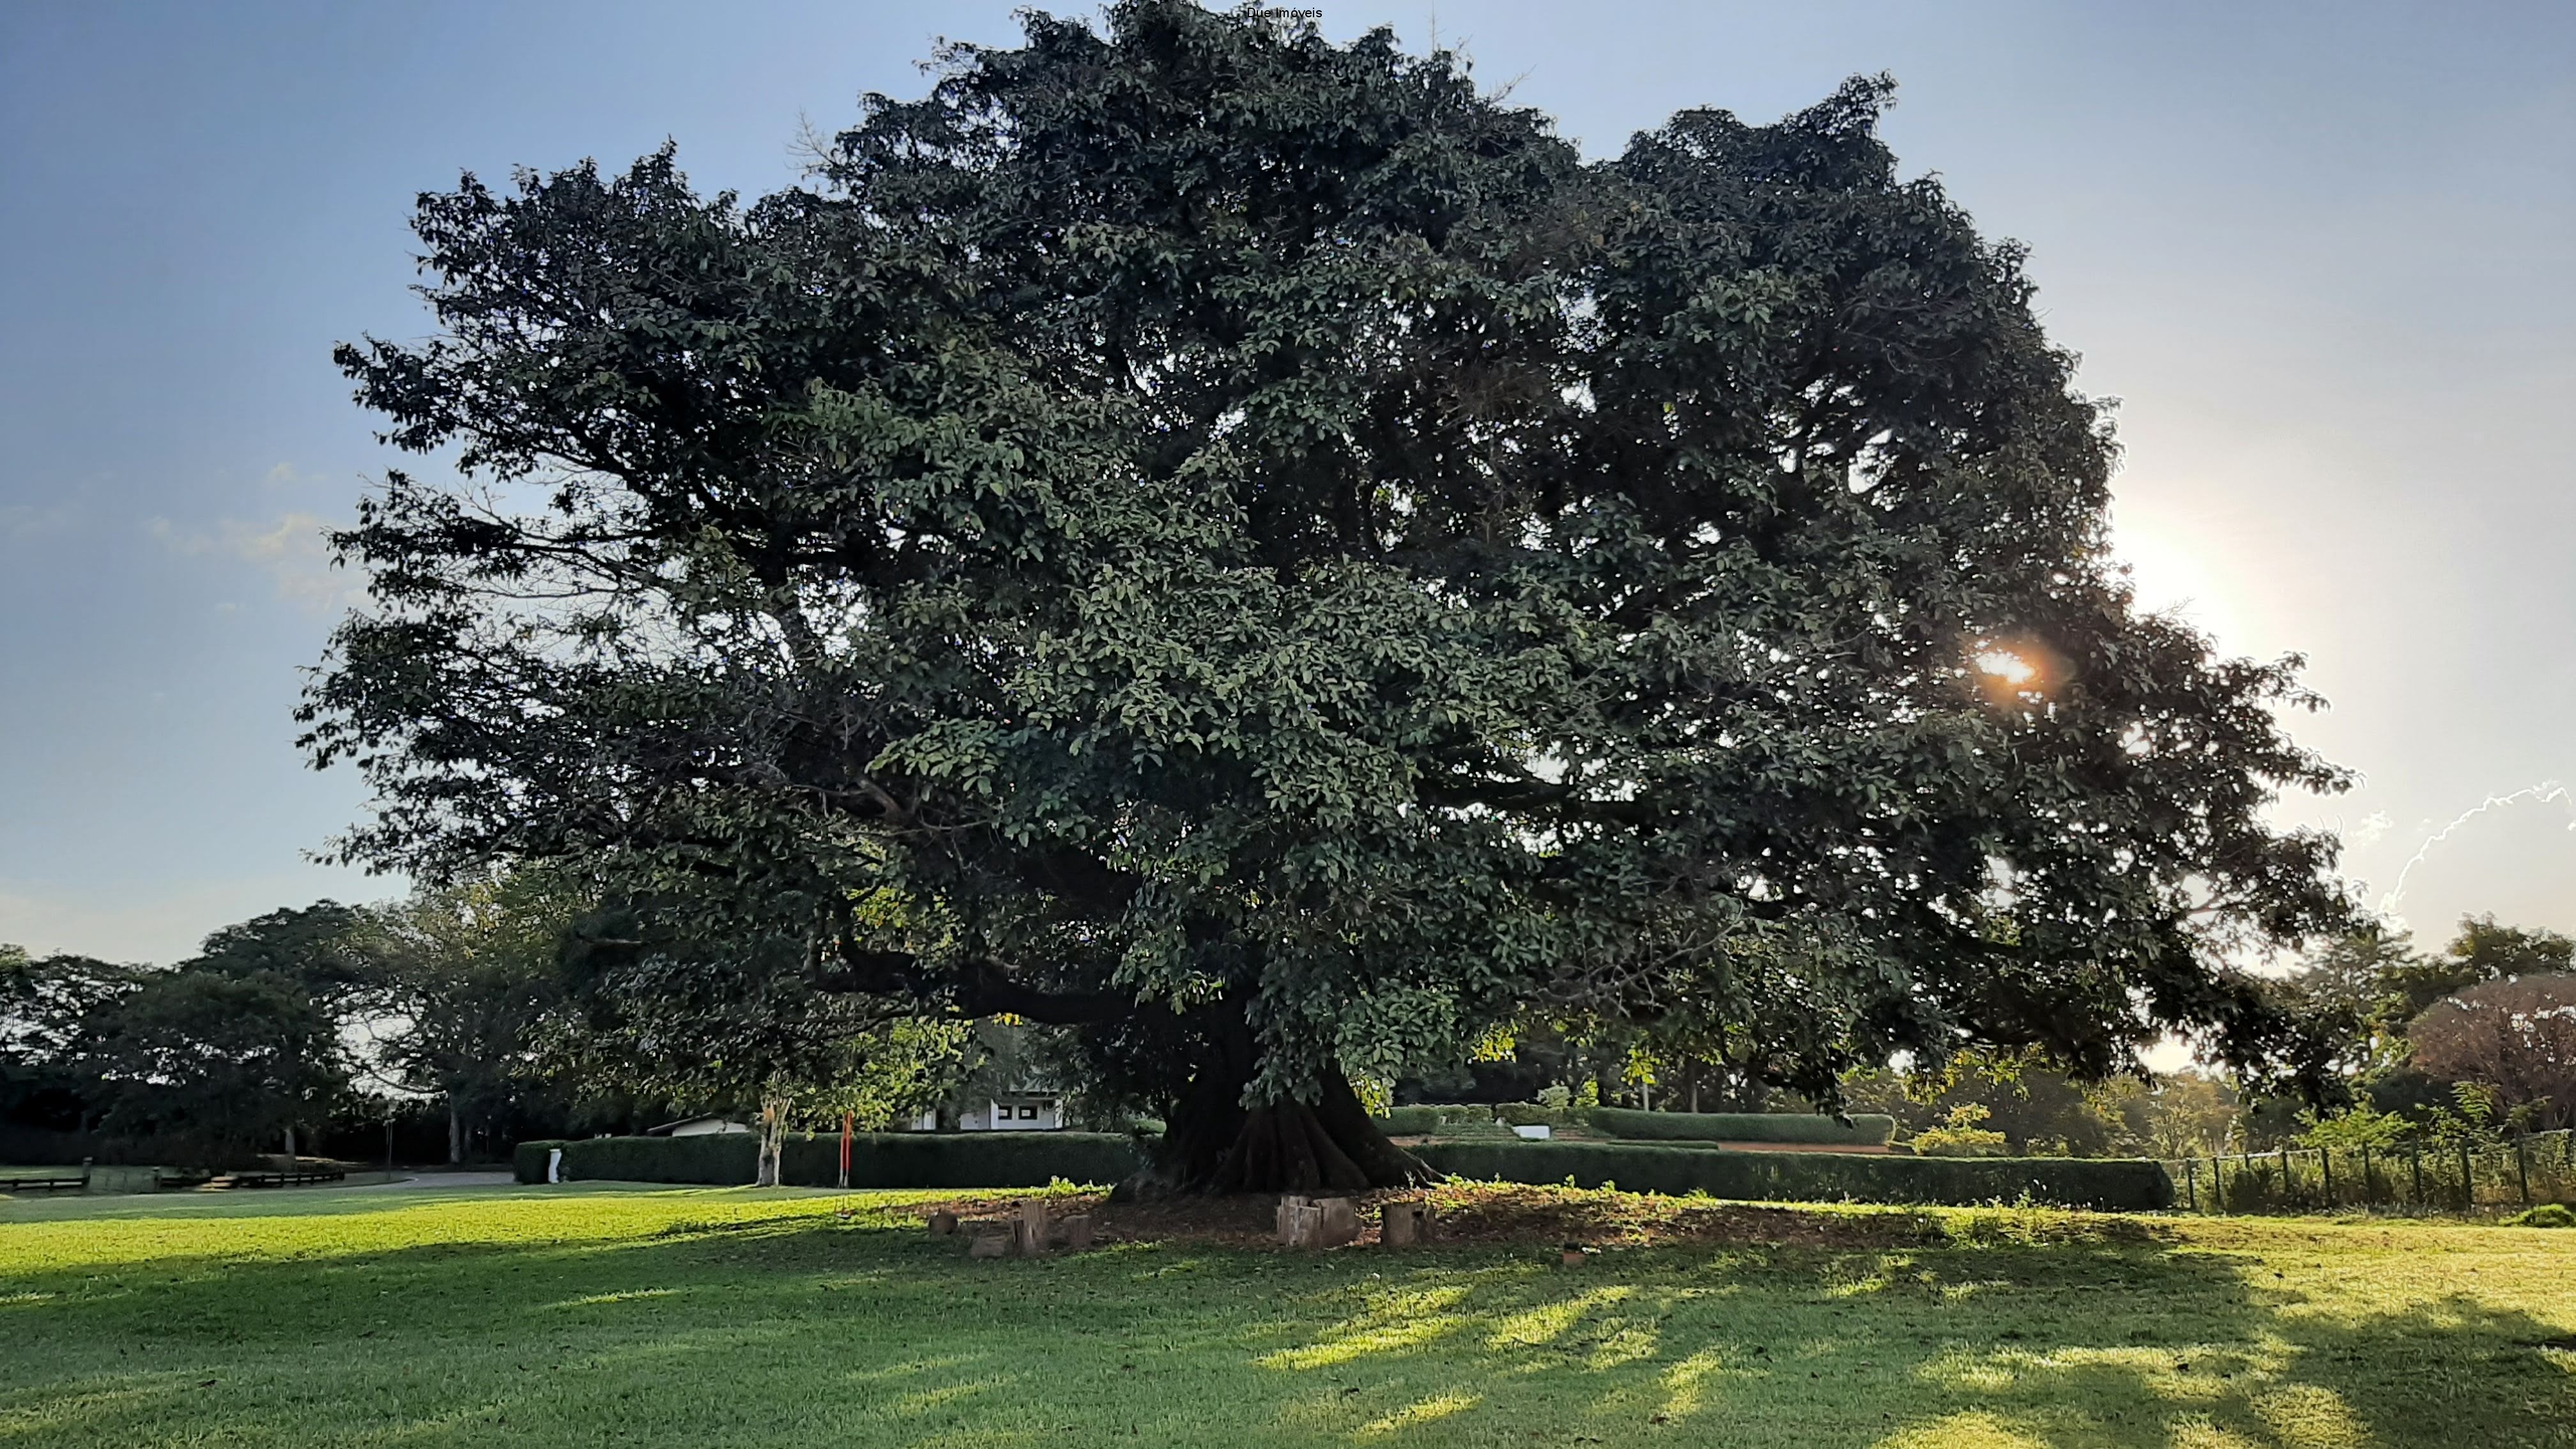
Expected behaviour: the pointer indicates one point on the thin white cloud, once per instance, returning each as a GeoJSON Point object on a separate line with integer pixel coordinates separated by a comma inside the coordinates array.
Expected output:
{"type": "Point", "coordinates": [287, 475]}
{"type": "Point", "coordinates": [30, 520]}
{"type": "Point", "coordinates": [290, 549]}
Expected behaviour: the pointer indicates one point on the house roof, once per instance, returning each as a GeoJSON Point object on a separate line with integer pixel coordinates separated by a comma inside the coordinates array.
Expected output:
{"type": "Point", "coordinates": [667, 1128]}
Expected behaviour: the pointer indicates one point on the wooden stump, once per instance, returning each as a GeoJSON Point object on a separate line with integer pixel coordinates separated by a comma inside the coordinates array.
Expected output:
{"type": "Point", "coordinates": [1029, 1232]}
{"type": "Point", "coordinates": [1301, 1222]}
{"type": "Point", "coordinates": [1077, 1233]}
{"type": "Point", "coordinates": [1341, 1222]}
{"type": "Point", "coordinates": [988, 1245]}
{"type": "Point", "coordinates": [1309, 1222]}
{"type": "Point", "coordinates": [1404, 1224]}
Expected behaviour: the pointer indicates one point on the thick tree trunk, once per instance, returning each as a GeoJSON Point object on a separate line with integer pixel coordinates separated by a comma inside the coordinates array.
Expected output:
{"type": "Point", "coordinates": [455, 1134]}
{"type": "Point", "coordinates": [1329, 1144]}
{"type": "Point", "coordinates": [1213, 1143]}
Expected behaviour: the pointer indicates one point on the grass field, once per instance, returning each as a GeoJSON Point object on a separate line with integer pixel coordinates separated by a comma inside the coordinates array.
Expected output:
{"type": "Point", "coordinates": [596, 1315]}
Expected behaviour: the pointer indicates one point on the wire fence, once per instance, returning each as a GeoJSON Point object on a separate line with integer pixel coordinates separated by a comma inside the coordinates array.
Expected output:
{"type": "Point", "coordinates": [2448, 1177]}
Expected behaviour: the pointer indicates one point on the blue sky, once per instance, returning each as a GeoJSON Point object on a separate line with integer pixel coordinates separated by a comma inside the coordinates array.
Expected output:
{"type": "Point", "coordinates": [2326, 255]}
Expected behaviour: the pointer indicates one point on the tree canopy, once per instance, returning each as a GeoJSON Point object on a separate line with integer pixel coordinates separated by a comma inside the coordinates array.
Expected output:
{"type": "Point", "coordinates": [2515, 1036]}
{"type": "Point", "coordinates": [226, 1051]}
{"type": "Point", "coordinates": [1258, 550]}
{"type": "Point", "coordinates": [460, 980]}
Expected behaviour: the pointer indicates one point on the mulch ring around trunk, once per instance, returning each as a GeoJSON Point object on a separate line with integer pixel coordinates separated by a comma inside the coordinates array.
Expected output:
{"type": "Point", "coordinates": [1494, 1214]}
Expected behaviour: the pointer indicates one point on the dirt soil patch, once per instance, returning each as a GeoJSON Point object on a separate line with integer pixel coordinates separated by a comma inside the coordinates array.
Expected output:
{"type": "Point", "coordinates": [1483, 1214]}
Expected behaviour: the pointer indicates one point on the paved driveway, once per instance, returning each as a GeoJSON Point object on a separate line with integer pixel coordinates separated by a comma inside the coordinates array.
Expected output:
{"type": "Point", "coordinates": [439, 1179]}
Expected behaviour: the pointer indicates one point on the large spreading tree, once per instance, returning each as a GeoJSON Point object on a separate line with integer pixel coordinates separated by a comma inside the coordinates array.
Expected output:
{"type": "Point", "coordinates": [461, 980]}
{"type": "Point", "coordinates": [226, 1053]}
{"type": "Point", "coordinates": [1257, 550]}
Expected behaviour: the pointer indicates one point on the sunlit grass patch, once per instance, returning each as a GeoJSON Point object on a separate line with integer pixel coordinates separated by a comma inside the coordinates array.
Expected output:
{"type": "Point", "coordinates": [1389, 1322]}
{"type": "Point", "coordinates": [1415, 1415]}
{"type": "Point", "coordinates": [600, 1300]}
{"type": "Point", "coordinates": [1549, 1321]}
{"type": "Point", "coordinates": [1972, 1429]}
{"type": "Point", "coordinates": [592, 1314]}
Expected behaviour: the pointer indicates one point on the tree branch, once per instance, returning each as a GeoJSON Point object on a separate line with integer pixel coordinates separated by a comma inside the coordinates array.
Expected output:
{"type": "Point", "coordinates": [978, 987]}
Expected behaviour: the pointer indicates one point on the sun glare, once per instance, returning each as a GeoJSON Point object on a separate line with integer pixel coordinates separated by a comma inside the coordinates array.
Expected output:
{"type": "Point", "coordinates": [2005, 665]}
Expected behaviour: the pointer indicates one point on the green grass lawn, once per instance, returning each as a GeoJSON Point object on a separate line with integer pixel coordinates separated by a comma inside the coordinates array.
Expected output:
{"type": "Point", "coordinates": [595, 1315]}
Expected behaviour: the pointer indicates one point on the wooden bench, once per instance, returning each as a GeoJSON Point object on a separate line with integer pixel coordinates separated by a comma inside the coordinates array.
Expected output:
{"type": "Point", "coordinates": [58, 1182]}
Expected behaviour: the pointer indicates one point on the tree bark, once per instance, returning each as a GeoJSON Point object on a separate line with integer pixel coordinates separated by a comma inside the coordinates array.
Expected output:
{"type": "Point", "coordinates": [773, 1136]}
{"type": "Point", "coordinates": [455, 1134]}
{"type": "Point", "coordinates": [1331, 1143]}
{"type": "Point", "coordinates": [1212, 1143]}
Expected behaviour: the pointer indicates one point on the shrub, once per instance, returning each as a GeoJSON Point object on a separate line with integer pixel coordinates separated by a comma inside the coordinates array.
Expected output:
{"type": "Point", "coordinates": [965, 1159]}
{"type": "Point", "coordinates": [528, 1159]}
{"type": "Point", "coordinates": [716, 1159]}
{"type": "Point", "coordinates": [2547, 1215]}
{"type": "Point", "coordinates": [877, 1159]}
{"type": "Point", "coordinates": [1429, 1118]}
{"type": "Point", "coordinates": [1960, 1136]}
{"type": "Point", "coordinates": [2115, 1184]}
{"type": "Point", "coordinates": [1410, 1121]}
{"type": "Point", "coordinates": [1867, 1129]}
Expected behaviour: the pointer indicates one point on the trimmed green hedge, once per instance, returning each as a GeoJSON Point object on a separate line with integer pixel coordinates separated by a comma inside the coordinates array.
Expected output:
{"type": "Point", "coordinates": [1867, 1129]}
{"type": "Point", "coordinates": [877, 1159]}
{"type": "Point", "coordinates": [2116, 1184]}
{"type": "Point", "coordinates": [1425, 1118]}
{"type": "Point", "coordinates": [528, 1159]}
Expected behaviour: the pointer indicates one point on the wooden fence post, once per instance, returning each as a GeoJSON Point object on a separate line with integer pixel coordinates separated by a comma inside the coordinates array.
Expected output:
{"type": "Point", "coordinates": [2191, 1183]}
{"type": "Point", "coordinates": [2468, 1180]}
{"type": "Point", "coordinates": [2415, 1162]}
{"type": "Point", "coordinates": [2325, 1170]}
{"type": "Point", "coordinates": [2522, 1171]}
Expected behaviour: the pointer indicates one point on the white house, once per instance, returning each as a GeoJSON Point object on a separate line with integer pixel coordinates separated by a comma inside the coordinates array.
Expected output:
{"type": "Point", "coordinates": [1004, 1112]}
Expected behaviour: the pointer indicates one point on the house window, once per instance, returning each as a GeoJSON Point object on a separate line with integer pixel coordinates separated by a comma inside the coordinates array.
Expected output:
{"type": "Point", "coordinates": [1028, 1114]}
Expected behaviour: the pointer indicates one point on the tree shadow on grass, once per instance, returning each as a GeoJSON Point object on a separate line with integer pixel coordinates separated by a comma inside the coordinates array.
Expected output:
{"type": "Point", "coordinates": [2423, 1374]}
{"type": "Point", "coordinates": [797, 1329]}
{"type": "Point", "coordinates": [2065, 1345]}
